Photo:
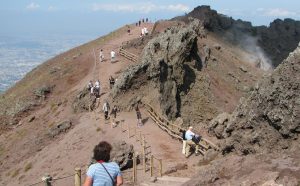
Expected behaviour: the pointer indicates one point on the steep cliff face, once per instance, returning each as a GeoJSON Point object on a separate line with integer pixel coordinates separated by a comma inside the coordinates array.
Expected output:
{"type": "Point", "coordinates": [269, 119]}
{"type": "Point", "coordinates": [164, 63]}
{"type": "Point", "coordinates": [276, 40]}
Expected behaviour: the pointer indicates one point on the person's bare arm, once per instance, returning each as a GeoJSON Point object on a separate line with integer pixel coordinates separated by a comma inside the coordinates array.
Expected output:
{"type": "Point", "coordinates": [88, 181]}
{"type": "Point", "coordinates": [119, 180]}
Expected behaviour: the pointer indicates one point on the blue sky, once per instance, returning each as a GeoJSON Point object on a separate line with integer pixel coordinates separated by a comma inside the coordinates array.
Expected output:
{"type": "Point", "coordinates": [97, 17]}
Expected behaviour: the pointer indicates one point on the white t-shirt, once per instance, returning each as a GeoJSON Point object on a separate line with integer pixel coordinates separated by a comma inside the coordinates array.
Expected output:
{"type": "Point", "coordinates": [97, 84]}
{"type": "Point", "coordinates": [189, 135]}
{"type": "Point", "coordinates": [145, 30]}
{"type": "Point", "coordinates": [112, 54]}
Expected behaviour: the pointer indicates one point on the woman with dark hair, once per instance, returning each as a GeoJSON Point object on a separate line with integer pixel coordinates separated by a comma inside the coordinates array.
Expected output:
{"type": "Point", "coordinates": [103, 173]}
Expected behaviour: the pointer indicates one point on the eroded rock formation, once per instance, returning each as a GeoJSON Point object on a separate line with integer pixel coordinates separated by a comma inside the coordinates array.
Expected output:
{"type": "Point", "coordinates": [164, 61]}
{"type": "Point", "coordinates": [269, 119]}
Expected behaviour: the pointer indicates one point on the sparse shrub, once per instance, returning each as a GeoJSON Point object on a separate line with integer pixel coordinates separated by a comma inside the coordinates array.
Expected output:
{"type": "Point", "coordinates": [27, 167]}
{"type": "Point", "coordinates": [98, 129]}
{"type": "Point", "coordinates": [15, 173]}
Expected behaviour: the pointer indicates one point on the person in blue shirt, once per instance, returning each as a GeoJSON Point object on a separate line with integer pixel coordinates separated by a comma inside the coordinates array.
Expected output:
{"type": "Point", "coordinates": [189, 134]}
{"type": "Point", "coordinates": [103, 173]}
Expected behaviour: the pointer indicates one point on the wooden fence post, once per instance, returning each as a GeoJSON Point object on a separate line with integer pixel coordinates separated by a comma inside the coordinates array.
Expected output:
{"type": "Point", "coordinates": [160, 167]}
{"type": "Point", "coordinates": [141, 138]}
{"type": "Point", "coordinates": [134, 168]}
{"type": "Point", "coordinates": [144, 159]}
{"type": "Point", "coordinates": [77, 177]}
{"type": "Point", "coordinates": [151, 166]}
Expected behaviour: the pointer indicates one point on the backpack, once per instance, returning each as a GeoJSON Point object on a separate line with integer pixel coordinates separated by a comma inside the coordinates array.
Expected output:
{"type": "Point", "coordinates": [183, 134]}
{"type": "Point", "coordinates": [196, 139]}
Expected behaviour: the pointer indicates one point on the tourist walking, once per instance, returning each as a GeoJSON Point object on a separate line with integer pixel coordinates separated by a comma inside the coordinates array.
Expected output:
{"type": "Point", "coordinates": [112, 56]}
{"type": "Point", "coordinates": [97, 88]}
{"type": "Point", "coordinates": [139, 116]}
{"type": "Point", "coordinates": [101, 56]}
{"type": "Point", "coordinates": [106, 109]}
{"type": "Point", "coordinates": [111, 82]}
{"type": "Point", "coordinates": [103, 173]}
{"type": "Point", "coordinates": [90, 85]}
{"type": "Point", "coordinates": [113, 114]}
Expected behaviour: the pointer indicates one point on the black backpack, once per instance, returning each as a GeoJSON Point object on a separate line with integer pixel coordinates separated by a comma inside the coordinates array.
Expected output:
{"type": "Point", "coordinates": [196, 139]}
{"type": "Point", "coordinates": [183, 134]}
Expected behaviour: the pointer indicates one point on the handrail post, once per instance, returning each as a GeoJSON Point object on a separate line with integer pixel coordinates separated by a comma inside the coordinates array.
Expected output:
{"type": "Point", "coordinates": [134, 168]}
{"type": "Point", "coordinates": [151, 166]}
{"type": "Point", "coordinates": [160, 167]}
{"type": "Point", "coordinates": [144, 158]}
{"type": "Point", "coordinates": [141, 138]}
{"type": "Point", "coordinates": [77, 176]}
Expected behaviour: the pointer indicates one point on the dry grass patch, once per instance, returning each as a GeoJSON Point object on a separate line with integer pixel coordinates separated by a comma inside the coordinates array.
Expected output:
{"type": "Point", "coordinates": [15, 173]}
{"type": "Point", "coordinates": [27, 167]}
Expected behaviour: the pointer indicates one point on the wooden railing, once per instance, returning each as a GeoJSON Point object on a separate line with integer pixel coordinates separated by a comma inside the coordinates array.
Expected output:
{"type": "Point", "coordinates": [128, 55]}
{"type": "Point", "coordinates": [174, 130]}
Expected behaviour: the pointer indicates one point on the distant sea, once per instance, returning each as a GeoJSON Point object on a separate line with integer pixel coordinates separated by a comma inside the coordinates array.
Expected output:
{"type": "Point", "coordinates": [19, 55]}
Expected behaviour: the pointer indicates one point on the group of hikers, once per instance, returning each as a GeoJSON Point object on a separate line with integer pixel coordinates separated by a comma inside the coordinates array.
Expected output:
{"type": "Point", "coordinates": [143, 20]}
{"type": "Point", "coordinates": [94, 88]}
{"type": "Point", "coordinates": [112, 56]}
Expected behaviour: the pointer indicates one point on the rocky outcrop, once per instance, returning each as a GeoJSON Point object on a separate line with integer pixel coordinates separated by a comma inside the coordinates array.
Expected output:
{"type": "Point", "coordinates": [42, 91]}
{"type": "Point", "coordinates": [84, 101]}
{"type": "Point", "coordinates": [122, 154]}
{"type": "Point", "coordinates": [59, 128]}
{"type": "Point", "coordinates": [277, 40]}
{"type": "Point", "coordinates": [164, 61]}
{"type": "Point", "coordinates": [269, 119]}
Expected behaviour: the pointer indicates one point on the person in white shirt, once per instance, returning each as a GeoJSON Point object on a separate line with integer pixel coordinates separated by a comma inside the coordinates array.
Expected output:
{"type": "Point", "coordinates": [145, 31]}
{"type": "Point", "coordinates": [189, 134]}
{"type": "Point", "coordinates": [106, 109]}
{"type": "Point", "coordinates": [90, 85]}
{"type": "Point", "coordinates": [97, 88]}
{"type": "Point", "coordinates": [101, 56]}
{"type": "Point", "coordinates": [113, 56]}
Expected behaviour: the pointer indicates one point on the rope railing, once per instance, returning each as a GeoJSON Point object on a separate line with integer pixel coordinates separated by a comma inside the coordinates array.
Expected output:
{"type": "Point", "coordinates": [174, 130]}
{"type": "Point", "coordinates": [48, 180]}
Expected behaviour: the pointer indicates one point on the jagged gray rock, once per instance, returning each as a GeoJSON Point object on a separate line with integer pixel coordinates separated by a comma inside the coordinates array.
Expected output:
{"type": "Point", "coordinates": [59, 128]}
{"type": "Point", "coordinates": [122, 154]}
{"type": "Point", "coordinates": [164, 61]}
{"type": "Point", "coordinates": [84, 101]}
{"type": "Point", "coordinates": [269, 119]}
{"type": "Point", "coordinates": [43, 91]}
